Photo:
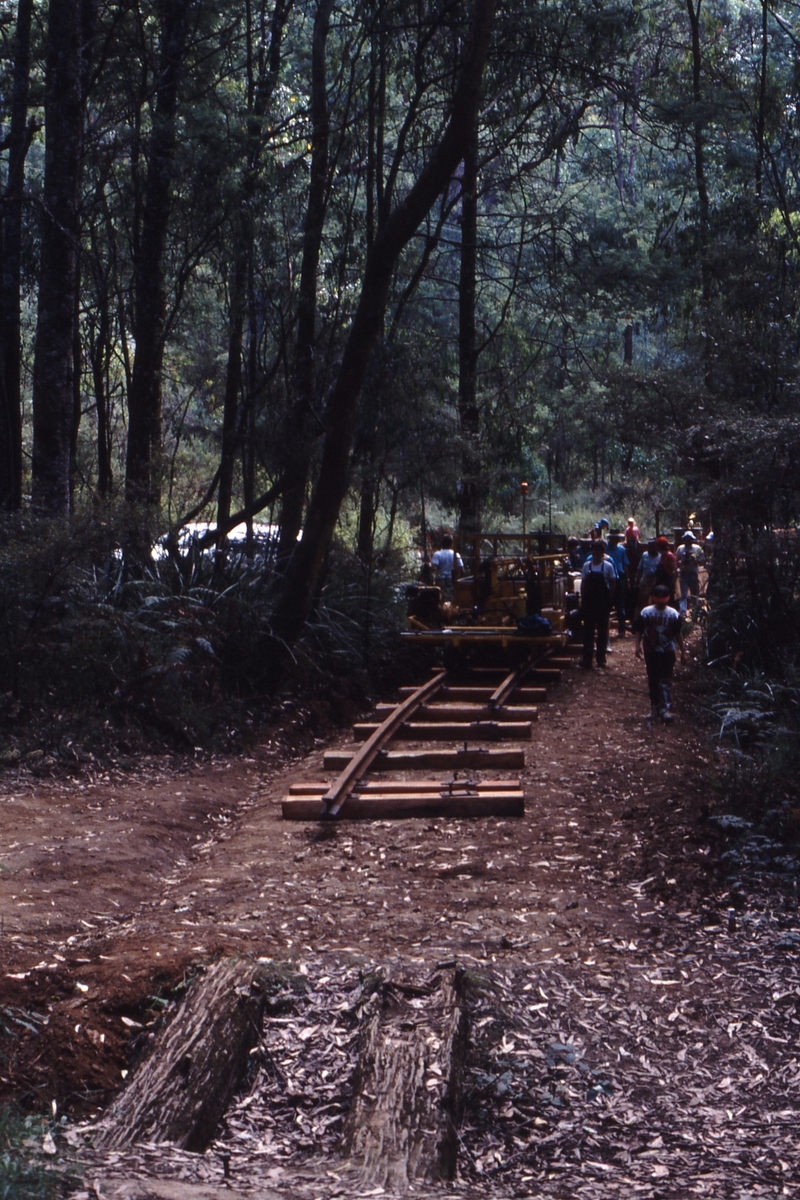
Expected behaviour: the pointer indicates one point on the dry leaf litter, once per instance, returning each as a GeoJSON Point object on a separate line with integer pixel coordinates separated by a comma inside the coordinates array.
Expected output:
{"type": "Point", "coordinates": [632, 1072]}
{"type": "Point", "coordinates": [633, 1018]}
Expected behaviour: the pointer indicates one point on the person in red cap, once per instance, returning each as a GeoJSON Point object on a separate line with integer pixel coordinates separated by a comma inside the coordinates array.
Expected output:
{"type": "Point", "coordinates": [667, 567]}
{"type": "Point", "coordinates": [646, 574]}
{"type": "Point", "coordinates": [634, 551]}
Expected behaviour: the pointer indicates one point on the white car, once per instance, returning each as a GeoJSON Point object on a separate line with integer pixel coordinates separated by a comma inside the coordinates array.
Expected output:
{"type": "Point", "coordinates": [265, 536]}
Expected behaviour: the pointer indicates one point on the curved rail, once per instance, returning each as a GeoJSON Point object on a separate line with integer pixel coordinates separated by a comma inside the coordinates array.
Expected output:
{"type": "Point", "coordinates": [338, 792]}
{"type": "Point", "coordinates": [496, 707]}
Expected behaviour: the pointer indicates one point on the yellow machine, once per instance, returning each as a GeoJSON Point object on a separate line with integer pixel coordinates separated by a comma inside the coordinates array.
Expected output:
{"type": "Point", "coordinates": [507, 577]}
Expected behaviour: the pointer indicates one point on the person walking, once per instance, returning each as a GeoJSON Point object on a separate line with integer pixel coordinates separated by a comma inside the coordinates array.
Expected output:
{"type": "Point", "coordinates": [598, 583]}
{"type": "Point", "coordinates": [619, 557]}
{"type": "Point", "coordinates": [658, 632]}
{"type": "Point", "coordinates": [666, 571]}
{"type": "Point", "coordinates": [646, 574]}
{"type": "Point", "coordinates": [634, 550]}
{"type": "Point", "coordinates": [690, 558]}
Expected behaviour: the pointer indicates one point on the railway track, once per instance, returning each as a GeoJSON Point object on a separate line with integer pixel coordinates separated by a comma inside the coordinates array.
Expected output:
{"type": "Point", "coordinates": [459, 709]}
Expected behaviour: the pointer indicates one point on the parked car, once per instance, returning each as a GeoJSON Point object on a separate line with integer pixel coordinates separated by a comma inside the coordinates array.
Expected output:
{"type": "Point", "coordinates": [265, 537]}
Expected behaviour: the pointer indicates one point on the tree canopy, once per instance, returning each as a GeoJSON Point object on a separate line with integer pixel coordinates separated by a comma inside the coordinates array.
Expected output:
{"type": "Point", "coordinates": [298, 256]}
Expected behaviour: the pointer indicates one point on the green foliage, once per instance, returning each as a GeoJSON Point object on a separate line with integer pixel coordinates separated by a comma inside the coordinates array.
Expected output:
{"type": "Point", "coordinates": [755, 501]}
{"type": "Point", "coordinates": [23, 1174]}
{"type": "Point", "coordinates": [177, 650]}
{"type": "Point", "coordinates": [353, 629]}
{"type": "Point", "coordinates": [754, 633]}
{"type": "Point", "coordinates": [80, 638]}
{"type": "Point", "coordinates": [759, 731]}
{"type": "Point", "coordinates": [636, 306]}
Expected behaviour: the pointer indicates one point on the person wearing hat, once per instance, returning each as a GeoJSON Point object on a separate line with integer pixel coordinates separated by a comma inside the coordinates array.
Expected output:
{"type": "Point", "coordinates": [598, 586]}
{"type": "Point", "coordinates": [658, 632]}
{"type": "Point", "coordinates": [634, 551]}
{"type": "Point", "coordinates": [689, 558]}
{"type": "Point", "coordinates": [633, 546]}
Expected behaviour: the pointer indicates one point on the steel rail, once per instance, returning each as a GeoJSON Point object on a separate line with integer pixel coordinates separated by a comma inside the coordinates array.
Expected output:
{"type": "Point", "coordinates": [341, 788]}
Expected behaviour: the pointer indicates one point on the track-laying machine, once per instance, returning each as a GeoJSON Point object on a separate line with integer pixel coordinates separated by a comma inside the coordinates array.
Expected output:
{"type": "Point", "coordinates": [516, 591]}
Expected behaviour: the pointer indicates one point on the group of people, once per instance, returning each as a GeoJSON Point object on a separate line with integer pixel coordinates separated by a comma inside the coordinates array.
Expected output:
{"type": "Point", "coordinates": [635, 582]}
{"type": "Point", "coordinates": [638, 567]}
{"type": "Point", "coordinates": [638, 584]}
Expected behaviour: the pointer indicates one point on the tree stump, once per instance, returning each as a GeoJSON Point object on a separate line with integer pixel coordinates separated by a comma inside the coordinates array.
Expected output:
{"type": "Point", "coordinates": [403, 1124]}
{"type": "Point", "coordinates": [180, 1093]}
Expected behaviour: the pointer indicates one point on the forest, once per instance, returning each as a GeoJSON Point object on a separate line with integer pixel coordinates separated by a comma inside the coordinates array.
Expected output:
{"type": "Point", "coordinates": [289, 290]}
{"type": "Point", "coordinates": [338, 276]}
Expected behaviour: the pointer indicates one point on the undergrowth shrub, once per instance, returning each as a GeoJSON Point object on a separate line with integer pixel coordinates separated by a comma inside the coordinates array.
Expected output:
{"type": "Point", "coordinates": [759, 731]}
{"type": "Point", "coordinates": [174, 648]}
{"type": "Point", "coordinates": [23, 1176]}
{"type": "Point", "coordinates": [755, 600]}
{"type": "Point", "coordinates": [748, 468]}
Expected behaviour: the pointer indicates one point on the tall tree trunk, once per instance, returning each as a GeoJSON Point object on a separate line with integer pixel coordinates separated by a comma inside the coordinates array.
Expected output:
{"type": "Point", "coordinates": [233, 384]}
{"type": "Point", "coordinates": [392, 516]}
{"type": "Point", "coordinates": [88, 22]}
{"type": "Point", "coordinates": [693, 8]}
{"type": "Point", "coordinates": [104, 333]}
{"type": "Point", "coordinates": [619, 150]}
{"type": "Point", "coordinates": [143, 462]}
{"type": "Point", "coordinates": [297, 591]}
{"type": "Point", "coordinates": [261, 80]}
{"type": "Point", "coordinates": [762, 99]}
{"type": "Point", "coordinates": [631, 182]}
{"type": "Point", "coordinates": [76, 387]}
{"type": "Point", "coordinates": [249, 418]}
{"type": "Point", "coordinates": [54, 360]}
{"type": "Point", "coordinates": [10, 345]}
{"type": "Point", "coordinates": [297, 449]}
{"type": "Point", "coordinates": [99, 352]}
{"type": "Point", "coordinates": [366, 514]}
{"type": "Point", "coordinates": [469, 498]}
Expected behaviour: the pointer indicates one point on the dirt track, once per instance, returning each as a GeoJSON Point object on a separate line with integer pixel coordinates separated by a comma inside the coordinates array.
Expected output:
{"type": "Point", "coordinates": [605, 901]}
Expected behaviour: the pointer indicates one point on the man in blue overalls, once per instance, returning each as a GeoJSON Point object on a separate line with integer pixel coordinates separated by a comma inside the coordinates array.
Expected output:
{"type": "Point", "coordinates": [598, 585]}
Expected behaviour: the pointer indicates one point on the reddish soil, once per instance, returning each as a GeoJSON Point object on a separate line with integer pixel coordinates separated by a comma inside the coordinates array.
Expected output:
{"type": "Point", "coordinates": [114, 889]}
